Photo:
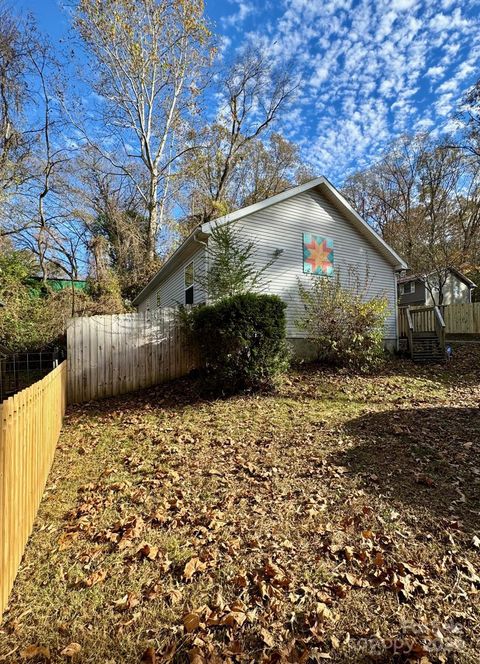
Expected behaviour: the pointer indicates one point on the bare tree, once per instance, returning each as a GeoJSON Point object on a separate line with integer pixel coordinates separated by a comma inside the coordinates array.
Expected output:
{"type": "Point", "coordinates": [147, 57]}
{"type": "Point", "coordinates": [253, 94]}
{"type": "Point", "coordinates": [424, 197]}
{"type": "Point", "coordinates": [15, 137]}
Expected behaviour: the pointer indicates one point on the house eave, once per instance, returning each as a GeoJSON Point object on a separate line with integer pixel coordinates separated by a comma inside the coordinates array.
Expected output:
{"type": "Point", "coordinates": [337, 200]}
{"type": "Point", "coordinates": [171, 263]}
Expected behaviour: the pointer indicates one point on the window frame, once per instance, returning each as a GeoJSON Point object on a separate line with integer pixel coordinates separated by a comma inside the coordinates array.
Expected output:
{"type": "Point", "coordinates": [190, 287]}
{"type": "Point", "coordinates": [409, 292]}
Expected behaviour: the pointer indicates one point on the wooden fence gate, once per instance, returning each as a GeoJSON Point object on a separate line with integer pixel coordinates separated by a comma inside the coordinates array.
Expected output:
{"type": "Point", "coordinates": [110, 355]}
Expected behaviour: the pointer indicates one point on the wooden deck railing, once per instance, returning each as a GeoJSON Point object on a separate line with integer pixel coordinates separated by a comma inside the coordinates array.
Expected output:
{"type": "Point", "coordinates": [439, 326]}
{"type": "Point", "coordinates": [30, 426]}
{"type": "Point", "coordinates": [459, 319]}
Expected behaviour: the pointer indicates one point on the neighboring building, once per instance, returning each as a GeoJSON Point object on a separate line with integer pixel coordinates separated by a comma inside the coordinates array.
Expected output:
{"type": "Point", "coordinates": [424, 290]}
{"type": "Point", "coordinates": [58, 284]}
{"type": "Point", "coordinates": [318, 233]}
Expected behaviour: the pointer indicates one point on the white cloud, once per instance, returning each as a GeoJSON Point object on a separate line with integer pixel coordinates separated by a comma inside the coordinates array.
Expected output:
{"type": "Point", "coordinates": [369, 71]}
{"type": "Point", "coordinates": [403, 5]}
{"type": "Point", "coordinates": [449, 86]}
{"type": "Point", "coordinates": [244, 10]}
{"type": "Point", "coordinates": [435, 72]}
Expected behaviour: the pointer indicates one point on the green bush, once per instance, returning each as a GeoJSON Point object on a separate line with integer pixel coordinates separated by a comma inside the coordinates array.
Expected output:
{"type": "Point", "coordinates": [343, 322]}
{"type": "Point", "coordinates": [241, 340]}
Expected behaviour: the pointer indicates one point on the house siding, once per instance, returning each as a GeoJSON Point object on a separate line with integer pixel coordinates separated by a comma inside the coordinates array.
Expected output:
{"type": "Point", "coordinates": [172, 289]}
{"type": "Point", "coordinates": [281, 226]}
{"type": "Point", "coordinates": [455, 291]}
{"type": "Point", "coordinates": [417, 298]}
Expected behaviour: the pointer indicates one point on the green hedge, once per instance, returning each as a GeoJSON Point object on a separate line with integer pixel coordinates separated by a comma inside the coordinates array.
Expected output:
{"type": "Point", "coordinates": [242, 341]}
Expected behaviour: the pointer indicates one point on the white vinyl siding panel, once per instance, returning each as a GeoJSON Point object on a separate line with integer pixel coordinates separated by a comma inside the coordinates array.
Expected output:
{"type": "Point", "coordinates": [455, 291]}
{"type": "Point", "coordinates": [281, 226]}
{"type": "Point", "coordinates": [172, 289]}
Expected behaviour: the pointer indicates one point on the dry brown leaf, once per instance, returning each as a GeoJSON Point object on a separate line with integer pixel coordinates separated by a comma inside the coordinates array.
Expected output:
{"type": "Point", "coordinates": [267, 637]}
{"type": "Point", "coordinates": [32, 651]}
{"type": "Point", "coordinates": [195, 656]}
{"type": "Point", "coordinates": [193, 566]}
{"type": "Point", "coordinates": [148, 551]}
{"type": "Point", "coordinates": [97, 577]}
{"type": "Point", "coordinates": [128, 601]}
{"type": "Point", "coordinates": [379, 559]}
{"type": "Point", "coordinates": [191, 622]}
{"type": "Point", "coordinates": [323, 612]}
{"type": "Point", "coordinates": [149, 656]}
{"type": "Point", "coordinates": [71, 650]}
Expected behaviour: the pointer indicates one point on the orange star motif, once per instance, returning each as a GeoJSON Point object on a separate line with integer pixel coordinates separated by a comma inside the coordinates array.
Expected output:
{"type": "Point", "coordinates": [320, 256]}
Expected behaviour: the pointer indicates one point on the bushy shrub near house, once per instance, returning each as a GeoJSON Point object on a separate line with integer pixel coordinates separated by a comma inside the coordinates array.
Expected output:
{"type": "Point", "coordinates": [344, 324]}
{"type": "Point", "coordinates": [241, 340]}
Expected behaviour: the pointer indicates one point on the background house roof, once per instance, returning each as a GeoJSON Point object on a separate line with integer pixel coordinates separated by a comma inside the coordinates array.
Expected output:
{"type": "Point", "coordinates": [422, 277]}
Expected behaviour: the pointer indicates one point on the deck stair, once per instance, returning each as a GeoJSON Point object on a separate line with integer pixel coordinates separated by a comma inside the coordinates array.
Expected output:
{"type": "Point", "coordinates": [426, 335]}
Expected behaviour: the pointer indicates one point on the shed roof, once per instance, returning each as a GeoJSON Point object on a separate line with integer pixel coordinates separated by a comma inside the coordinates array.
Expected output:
{"type": "Point", "coordinates": [422, 277]}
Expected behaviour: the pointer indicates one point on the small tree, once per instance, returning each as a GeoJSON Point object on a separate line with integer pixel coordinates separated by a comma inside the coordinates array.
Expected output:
{"type": "Point", "coordinates": [342, 322]}
{"type": "Point", "coordinates": [232, 267]}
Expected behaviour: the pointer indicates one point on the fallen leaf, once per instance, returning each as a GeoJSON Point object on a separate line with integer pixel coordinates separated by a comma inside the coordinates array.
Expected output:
{"type": "Point", "coordinates": [128, 601]}
{"type": "Point", "coordinates": [191, 622]}
{"type": "Point", "coordinates": [193, 566]}
{"type": "Point", "coordinates": [149, 656]}
{"type": "Point", "coordinates": [32, 651]}
{"type": "Point", "coordinates": [97, 577]}
{"type": "Point", "coordinates": [323, 612]}
{"type": "Point", "coordinates": [148, 551]}
{"type": "Point", "coordinates": [267, 637]}
{"type": "Point", "coordinates": [71, 650]}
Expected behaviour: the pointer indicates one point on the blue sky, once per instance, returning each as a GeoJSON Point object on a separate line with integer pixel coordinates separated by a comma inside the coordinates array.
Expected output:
{"type": "Point", "coordinates": [369, 70]}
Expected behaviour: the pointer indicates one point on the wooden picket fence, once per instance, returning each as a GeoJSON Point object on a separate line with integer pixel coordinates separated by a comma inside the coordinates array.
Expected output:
{"type": "Point", "coordinates": [460, 319]}
{"type": "Point", "coordinates": [111, 355]}
{"type": "Point", "coordinates": [30, 426]}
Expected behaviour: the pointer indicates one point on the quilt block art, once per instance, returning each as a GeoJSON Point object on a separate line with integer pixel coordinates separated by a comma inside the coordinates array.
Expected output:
{"type": "Point", "coordinates": [317, 255]}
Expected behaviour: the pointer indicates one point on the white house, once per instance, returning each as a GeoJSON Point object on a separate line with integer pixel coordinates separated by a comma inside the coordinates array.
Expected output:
{"type": "Point", "coordinates": [424, 289]}
{"type": "Point", "coordinates": [319, 234]}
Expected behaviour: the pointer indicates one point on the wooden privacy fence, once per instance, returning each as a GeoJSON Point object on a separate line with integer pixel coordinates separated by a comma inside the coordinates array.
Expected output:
{"type": "Point", "coordinates": [462, 318]}
{"type": "Point", "coordinates": [110, 355]}
{"type": "Point", "coordinates": [30, 426]}
{"type": "Point", "coordinates": [459, 319]}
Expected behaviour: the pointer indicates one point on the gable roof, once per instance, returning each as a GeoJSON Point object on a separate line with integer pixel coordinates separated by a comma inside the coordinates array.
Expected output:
{"type": "Point", "coordinates": [422, 277]}
{"type": "Point", "coordinates": [330, 192]}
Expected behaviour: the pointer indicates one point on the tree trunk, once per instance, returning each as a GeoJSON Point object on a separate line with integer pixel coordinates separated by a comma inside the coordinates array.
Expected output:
{"type": "Point", "coordinates": [152, 220]}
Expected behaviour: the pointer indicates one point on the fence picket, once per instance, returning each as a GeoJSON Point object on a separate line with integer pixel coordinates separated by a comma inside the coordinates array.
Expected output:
{"type": "Point", "coordinates": [459, 319]}
{"type": "Point", "coordinates": [122, 353]}
{"type": "Point", "coordinates": [30, 424]}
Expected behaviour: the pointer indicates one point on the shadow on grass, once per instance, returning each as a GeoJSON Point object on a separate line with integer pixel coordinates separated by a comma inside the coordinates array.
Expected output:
{"type": "Point", "coordinates": [177, 395]}
{"type": "Point", "coordinates": [427, 458]}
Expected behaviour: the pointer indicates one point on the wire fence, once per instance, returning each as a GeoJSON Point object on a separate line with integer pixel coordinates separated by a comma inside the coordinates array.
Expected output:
{"type": "Point", "coordinates": [19, 370]}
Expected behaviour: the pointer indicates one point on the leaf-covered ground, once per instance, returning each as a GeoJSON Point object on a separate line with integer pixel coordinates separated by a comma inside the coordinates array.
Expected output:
{"type": "Point", "coordinates": [336, 519]}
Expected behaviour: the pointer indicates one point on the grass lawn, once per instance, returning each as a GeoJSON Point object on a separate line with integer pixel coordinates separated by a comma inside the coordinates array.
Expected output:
{"type": "Point", "coordinates": [336, 519]}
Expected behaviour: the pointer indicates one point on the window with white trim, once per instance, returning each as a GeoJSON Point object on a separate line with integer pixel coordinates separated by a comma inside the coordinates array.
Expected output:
{"type": "Point", "coordinates": [407, 288]}
{"type": "Point", "coordinates": [188, 283]}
